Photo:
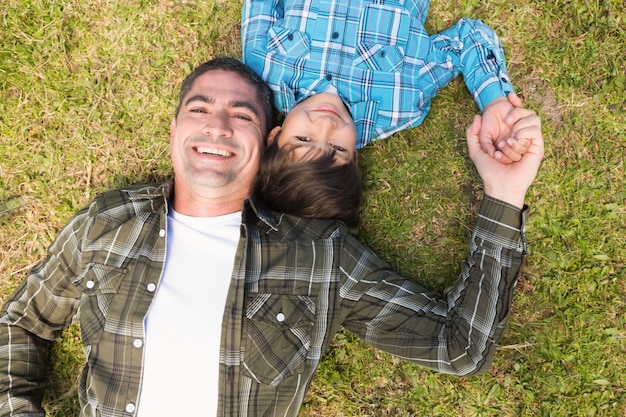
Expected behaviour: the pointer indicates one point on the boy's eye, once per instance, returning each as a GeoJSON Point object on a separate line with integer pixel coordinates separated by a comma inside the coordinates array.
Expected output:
{"type": "Point", "coordinates": [303, 138]}
{"type": "Point", "coordinates": [338, 148]}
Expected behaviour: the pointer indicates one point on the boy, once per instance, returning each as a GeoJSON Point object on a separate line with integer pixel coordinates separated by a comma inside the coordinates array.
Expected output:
{"type": "Point", "coordinates": [376, 67]}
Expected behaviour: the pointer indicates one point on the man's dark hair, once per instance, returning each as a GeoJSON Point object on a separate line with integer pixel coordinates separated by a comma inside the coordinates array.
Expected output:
{"type": "Point", "coordinates": [314, 187]}
{"type": "Point", "coordinates": [238, 67]}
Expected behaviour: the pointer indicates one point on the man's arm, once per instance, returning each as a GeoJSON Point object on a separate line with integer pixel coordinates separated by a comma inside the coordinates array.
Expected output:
{"type": "Point", "coordinates": [456, 332]}
{"type": "Point", "coordinates": [34, 316]}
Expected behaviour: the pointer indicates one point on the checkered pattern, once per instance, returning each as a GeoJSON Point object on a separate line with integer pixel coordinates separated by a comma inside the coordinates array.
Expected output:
{"type": "Point", "coordinates": [378, 55]}
{"type": "Point", "coordinates": [296, 282]}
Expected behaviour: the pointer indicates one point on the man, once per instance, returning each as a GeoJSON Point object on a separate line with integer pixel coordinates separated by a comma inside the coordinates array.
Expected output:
{"type": "Point", "coordinates": [194, 299]}
{"type": "Point", "coordinates": [108, 267]}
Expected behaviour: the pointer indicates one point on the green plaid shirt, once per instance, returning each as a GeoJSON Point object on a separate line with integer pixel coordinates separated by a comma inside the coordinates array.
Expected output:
{"type": "Point", "coordinates": [295, 283]}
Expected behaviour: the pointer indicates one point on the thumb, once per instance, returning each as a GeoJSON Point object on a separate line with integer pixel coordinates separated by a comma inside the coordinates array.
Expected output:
{"type": "Point", "coordinates": [485, 138]}
{"type": "Point", "coordinates": [514, 100]}
{"type": "Point", "coordinates": [473, 143]}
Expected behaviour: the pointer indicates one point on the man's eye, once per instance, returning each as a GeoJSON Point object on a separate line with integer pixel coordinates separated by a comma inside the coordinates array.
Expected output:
{"type": "Point", "coordinates": [303, 138]}
{"type": "Point", "coordinates": [243, 117]}
{"type": "Point", "coordinates": [197, 110]}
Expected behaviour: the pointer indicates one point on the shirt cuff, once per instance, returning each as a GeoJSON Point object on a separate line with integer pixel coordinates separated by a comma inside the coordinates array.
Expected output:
{"type": "Point", "coordinates": [494, 90]}
{"type": "Point", "coordinates": [503, 223]}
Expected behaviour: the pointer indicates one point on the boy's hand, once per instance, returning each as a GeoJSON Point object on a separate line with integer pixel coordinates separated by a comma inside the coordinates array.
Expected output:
{"type": "Point", "coordinates": [496, 133]}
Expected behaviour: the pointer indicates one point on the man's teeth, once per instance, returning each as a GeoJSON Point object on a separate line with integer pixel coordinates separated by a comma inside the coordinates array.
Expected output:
{"type": "Point", "coordinates": [212, 151]}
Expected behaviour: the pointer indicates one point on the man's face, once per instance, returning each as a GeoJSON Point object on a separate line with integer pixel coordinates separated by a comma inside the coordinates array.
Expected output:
{"type": "Point", "coordinates": [216, 140]}
{"type": "Point", "coordinates": [321, 121]}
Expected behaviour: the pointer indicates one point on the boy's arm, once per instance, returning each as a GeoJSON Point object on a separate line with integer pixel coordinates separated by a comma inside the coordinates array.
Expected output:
{"type": "Point", "coordinates": [476, 52]}
{"type": "Point", "coordinates": [257, 17]}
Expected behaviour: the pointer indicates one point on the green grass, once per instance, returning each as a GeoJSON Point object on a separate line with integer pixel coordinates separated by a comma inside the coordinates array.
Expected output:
{"type": "Point", "coordinates": [87, 90]}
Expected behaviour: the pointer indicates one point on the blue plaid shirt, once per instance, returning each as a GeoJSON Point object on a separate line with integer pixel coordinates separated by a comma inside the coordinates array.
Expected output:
{"type": "Point", "coordinates": [377, 54]}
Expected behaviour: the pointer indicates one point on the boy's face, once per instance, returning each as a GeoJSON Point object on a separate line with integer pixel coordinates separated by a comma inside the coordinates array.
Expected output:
{"type": "Point", "coordinates": [321, 121]}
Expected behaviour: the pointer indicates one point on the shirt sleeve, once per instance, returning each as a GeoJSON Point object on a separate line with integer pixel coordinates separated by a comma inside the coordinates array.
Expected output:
{"type": "Point", "coordinates": [34, 316]}
{"type": "Point", "coordinates": [476, 52]}
{"type": "Point", "coordinates": [258, 20]}
{"type": "Point", "coordinates": [454, 333]}
{"type": "Point", "coordinates": [257, 17]}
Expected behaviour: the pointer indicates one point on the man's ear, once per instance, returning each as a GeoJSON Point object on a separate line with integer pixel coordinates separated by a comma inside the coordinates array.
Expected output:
{"type": "Point", "coordinates": [272, 135]}
{"type": "Point", "coordinates": [172, 127]}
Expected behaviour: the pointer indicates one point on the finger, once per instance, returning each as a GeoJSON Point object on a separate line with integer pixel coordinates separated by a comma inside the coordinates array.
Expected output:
{"type": "Point", "coordinates": [514, 100]}
{"type": "Point", "coordinates": [486, 143]}
{"type": "Point", "coordinates": [518, 145]}
{"type": "Point", "coordinates": [486, 139]}
{"type": "Point", "coordinates": [532, 138]}
{"type": "Point", "coordinates": [474, 129]}
{"type": "Point", "coordinates": [511, 150]}
{"type": "Point", "coordinates": [502, 157]}
{"type": "Point", "coordinates": [527, 127]}
{"type": "Point", "coordinates": [473, 143]}
{"type": "Point", "coordinates": [517, 114]}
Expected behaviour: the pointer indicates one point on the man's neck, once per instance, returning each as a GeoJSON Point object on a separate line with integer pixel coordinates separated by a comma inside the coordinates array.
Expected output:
{"type": "Point", "coordinates": [196, 205]}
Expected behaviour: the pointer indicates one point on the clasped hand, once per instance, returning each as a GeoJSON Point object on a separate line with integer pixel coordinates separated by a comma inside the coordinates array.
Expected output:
{"type": "Point", "coordinates": [496, 135]}
{"type": "Point", "coordinates": [504, 179]}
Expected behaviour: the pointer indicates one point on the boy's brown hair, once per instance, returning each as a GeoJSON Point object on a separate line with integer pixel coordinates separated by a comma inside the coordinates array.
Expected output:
{"type": "Point", "coordinates": [313, 187]}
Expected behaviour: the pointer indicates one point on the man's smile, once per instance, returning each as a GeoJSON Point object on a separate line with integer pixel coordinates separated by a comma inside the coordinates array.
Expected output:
{"type": "Point", "coordinates": [213, 151]}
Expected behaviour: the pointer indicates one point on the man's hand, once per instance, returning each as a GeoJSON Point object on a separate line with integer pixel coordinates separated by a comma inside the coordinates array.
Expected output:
{"type": "Point", "coordinates": [495, 134]}
{"type": "Point", "coordinates": [509, 182]}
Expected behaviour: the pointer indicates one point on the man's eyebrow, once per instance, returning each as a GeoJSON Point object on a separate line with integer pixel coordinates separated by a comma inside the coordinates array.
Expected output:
{"type": "Point", "coordinates": [199, 97]}
{"type": "Point", "coordinates": [233, 104]}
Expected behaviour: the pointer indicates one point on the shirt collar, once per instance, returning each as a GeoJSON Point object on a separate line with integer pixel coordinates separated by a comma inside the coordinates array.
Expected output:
{"type": "Point", "coordinates": [286, 227]}
{"type": "Point", "coordinates": [158, 194]}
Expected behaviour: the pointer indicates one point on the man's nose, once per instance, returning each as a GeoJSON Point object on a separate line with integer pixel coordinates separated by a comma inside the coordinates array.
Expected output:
{"type": "Point", "coordinates": [218, 125]}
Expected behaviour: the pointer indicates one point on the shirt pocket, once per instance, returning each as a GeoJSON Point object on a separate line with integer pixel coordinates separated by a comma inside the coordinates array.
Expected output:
{"type": "Point", "coordinates": [288, 43]}
{"type": "Point", "coordinates": [278, 336]}
{"type": "Point", "coordinates": [382, 37]}
{"type": "Point", "coordinates": [98, 284]}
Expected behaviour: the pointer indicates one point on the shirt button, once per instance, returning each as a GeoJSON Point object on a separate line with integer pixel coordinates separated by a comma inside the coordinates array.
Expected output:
{"type": "Point", "coordinates": [130, 408]}
{"type": "Point", "coordinates": [90, 284]}
{"type": "Point", "coordinates": [151, 287]}
{"type": "Point", "coordinates": [382, 54]}
{"type": "Point", "coordinates": [138, 343]}
{"type": "Point", "coordinates": [335, 35]}
{"type": "Point", "coordinates": [329, 77]}
{"type": "Point", "coordinates": [290, 37]}
{"type": "Point", "coordinates": [280, 317]}
{"type": "Point", "coordinates": [162, 232]}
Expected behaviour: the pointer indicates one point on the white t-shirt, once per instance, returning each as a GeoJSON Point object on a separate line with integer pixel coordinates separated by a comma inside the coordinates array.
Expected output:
{"type": "Point", "coordinates": [184, 324]}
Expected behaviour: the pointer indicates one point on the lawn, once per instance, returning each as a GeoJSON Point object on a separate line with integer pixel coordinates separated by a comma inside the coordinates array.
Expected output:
{"type": "Point", "coordinates": [87, 91]}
